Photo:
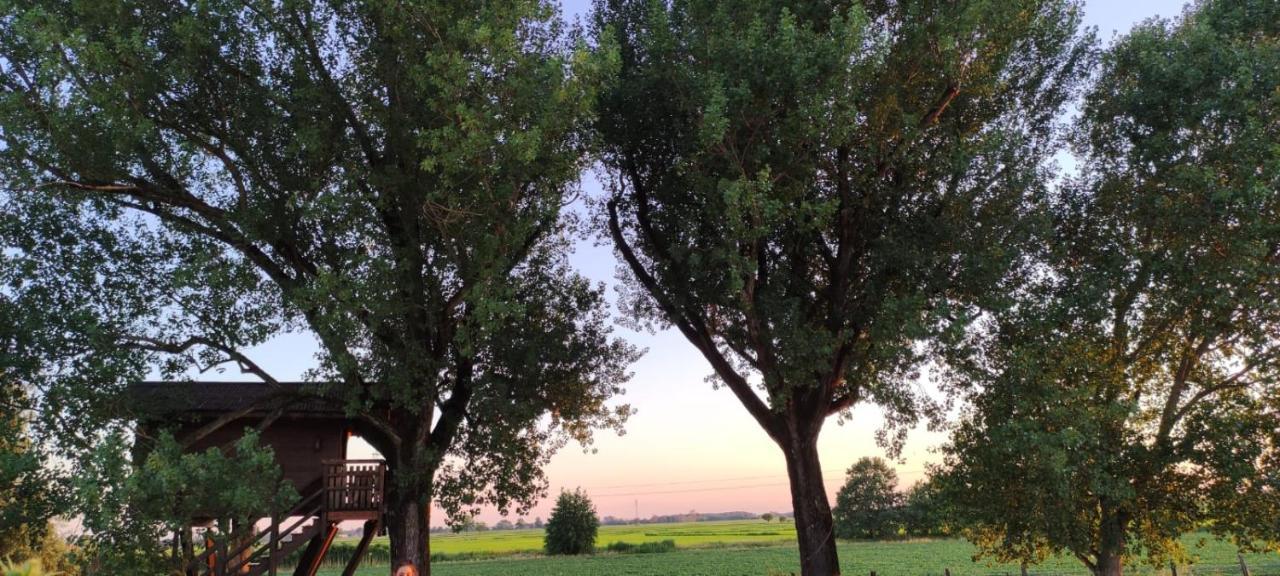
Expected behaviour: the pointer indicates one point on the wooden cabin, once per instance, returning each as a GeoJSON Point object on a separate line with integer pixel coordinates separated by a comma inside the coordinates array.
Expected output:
{"type": "Point", "coordinates": [308, 431]}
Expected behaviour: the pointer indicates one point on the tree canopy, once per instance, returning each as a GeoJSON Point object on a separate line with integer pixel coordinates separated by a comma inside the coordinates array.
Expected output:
{"type": "Point", "coordinates": [867, 504]}
{"type": "Point", "coordinates": [813, 194]}
{"type": "Point", "coordinates": [1131, 394]}
{"type": "Point", "coordinates": [186, 181]}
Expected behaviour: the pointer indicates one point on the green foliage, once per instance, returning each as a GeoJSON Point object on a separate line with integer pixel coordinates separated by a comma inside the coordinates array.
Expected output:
{"type": "Point", "coordinates": [29, 568]}
{"type": "Point", "coordinates": [25, 499]}
{"type": "Point", "coordinates": [1130, 396]}
{"type": "Point", "coordinates": [185, 181]}
{"type": "Point", "coordinates": [822, 185]}
{"type": "Point", "coordinates": [658, 547]}
{"type": "Point", "coordinates": [31, 495]}
{"type": "Point", "coordinates": [50, 552]}
{"type": "Point", "coordinates": [573, 525]}
{"type": "Point", "coordinates": [926, 512]}
{"type": "Point", "coordinates": [128, 509]}
{"type": "Point", "coordinates": [867, 505]}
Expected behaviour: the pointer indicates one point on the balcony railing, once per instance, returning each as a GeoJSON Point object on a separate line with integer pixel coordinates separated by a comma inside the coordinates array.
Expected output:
{"type": "Point", "coordinates": [354, 489]}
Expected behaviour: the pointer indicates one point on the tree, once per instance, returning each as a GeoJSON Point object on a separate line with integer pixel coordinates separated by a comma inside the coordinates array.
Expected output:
{"type": "Point", "coordinates": [867, 504]}
{"type": "Point", "coordinates": [767, 517]}
{"type": "Point", "coordinates": [811, 194]}
{"type": "Point", "coordinates": [29, 494]}
{"type": "Point", "coordinates": [187, 181]}
{"type": "Point", "coordinates": [1132, 393]}
{"type": "Point", "coordinates": [573, 525]}
{"type": "Point", "coordinates": [925, 510]}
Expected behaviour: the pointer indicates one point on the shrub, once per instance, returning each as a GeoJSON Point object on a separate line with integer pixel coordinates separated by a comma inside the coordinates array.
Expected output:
{"type": "Point", "coordinates": [573, 525]}
{"type": "Point", "coordinates": [643, 547]}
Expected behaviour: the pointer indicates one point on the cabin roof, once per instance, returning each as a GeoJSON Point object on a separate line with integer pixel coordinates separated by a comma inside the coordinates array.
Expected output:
{"type": "Point", "coordinates": [162, 400]}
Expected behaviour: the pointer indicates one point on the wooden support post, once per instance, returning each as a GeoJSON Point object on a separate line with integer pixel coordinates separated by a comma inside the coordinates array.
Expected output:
{"type": "Point", "coordinates": [326, 536]}
{"type": "Point", "coordinates": [223, 559]}
{"type": "Point", "coordinates": [273, 546]}
{"type": "Point", "coordinates": [1173, 568]}
{"type": "Point", "coordinates": [370, 530]}
{"type": "Point", "coordinates": [212, 559]}
{"type": "Point", "coordinates": [309, 554]}
{"type": "Point", "coordinates": [1244, 568]}
{"type": "Point", "coordinates": [187, 543]}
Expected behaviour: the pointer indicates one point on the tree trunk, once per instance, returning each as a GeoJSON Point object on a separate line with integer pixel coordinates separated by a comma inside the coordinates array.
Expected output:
{"type": "Point", "coordinates": [815, 531]}
{"type": "Point", "coordinates": [408, 521]}
{"type": "Point", "coordinates": [1112, 542]}
{"type": "Point", "coordinates": [1109, 564]}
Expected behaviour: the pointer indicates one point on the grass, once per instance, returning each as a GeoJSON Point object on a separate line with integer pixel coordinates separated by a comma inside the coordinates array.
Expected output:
{"type": "Point", "coordinates": [685, 535]}
{"type": "Point", "coordinates": [758, 549]}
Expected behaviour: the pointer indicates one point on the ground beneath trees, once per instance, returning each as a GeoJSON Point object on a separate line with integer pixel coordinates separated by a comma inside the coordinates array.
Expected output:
{"type": "Point", "coordinates": [757, 548]}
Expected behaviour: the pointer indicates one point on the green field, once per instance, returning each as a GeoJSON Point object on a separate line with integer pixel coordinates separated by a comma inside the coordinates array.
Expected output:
{"type": "Point", "coordinates": [755, 548]}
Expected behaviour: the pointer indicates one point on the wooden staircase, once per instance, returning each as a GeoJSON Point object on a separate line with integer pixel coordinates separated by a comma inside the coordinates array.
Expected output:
{"type": "Point", "coordinates": [348, 490]}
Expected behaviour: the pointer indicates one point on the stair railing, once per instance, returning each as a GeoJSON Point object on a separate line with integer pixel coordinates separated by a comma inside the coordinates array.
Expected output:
{"type": "Point", "coordinates": [300, 516]}
{"type": "Point", "coordinates": [313, 504]}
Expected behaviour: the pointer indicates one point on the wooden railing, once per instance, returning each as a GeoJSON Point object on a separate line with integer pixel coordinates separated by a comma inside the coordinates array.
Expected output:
{"type": "Point", "coordinates": [354, 486]}
{"type": "Point", "coordinates": [347, 490]}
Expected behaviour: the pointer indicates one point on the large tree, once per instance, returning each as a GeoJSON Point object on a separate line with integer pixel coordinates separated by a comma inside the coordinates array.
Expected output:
{"type": "Point", "coordinates": [810, 192]}
{"type": "Point", "coordinates": [1132, 394]}
{"type": "Point", "coordinates": [185, 181]}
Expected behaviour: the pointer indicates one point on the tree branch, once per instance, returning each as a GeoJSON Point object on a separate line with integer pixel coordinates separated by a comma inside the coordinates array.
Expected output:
{"type": "Point", "coordinates": [157, 345]}
{"type": "Point", "coordinates": [699, 338]}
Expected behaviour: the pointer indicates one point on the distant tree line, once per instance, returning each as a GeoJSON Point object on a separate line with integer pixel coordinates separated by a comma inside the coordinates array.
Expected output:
{"type": "Point", "coordinates": [690, 516]}
{"type": "Point", "coordinates": [471, 524]}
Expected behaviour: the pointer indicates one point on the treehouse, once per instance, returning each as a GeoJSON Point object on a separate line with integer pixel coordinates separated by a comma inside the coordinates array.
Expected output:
{"type": "Point", "coordinates": [308, 431]}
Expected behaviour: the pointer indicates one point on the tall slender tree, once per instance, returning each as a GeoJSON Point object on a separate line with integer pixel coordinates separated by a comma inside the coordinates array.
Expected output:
{"type": "Point", "coordinates": [186, 180]}
{"type": "Point", "coordinates": [1133, 391]}
{"type": "Point", "coordinates": [811, 192]}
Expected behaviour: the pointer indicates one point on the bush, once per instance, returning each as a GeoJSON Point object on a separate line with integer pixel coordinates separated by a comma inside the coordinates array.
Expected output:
{"type": "Point", "coordinates": [643, 547]}
{"type": "Point", "coordinates": [573, 525]}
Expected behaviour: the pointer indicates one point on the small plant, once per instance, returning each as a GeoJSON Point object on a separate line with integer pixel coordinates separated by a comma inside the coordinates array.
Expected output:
{"type": "Point", "coordinates": [28, 568]}
{"type": "Point", "coordinates": [573, 525]}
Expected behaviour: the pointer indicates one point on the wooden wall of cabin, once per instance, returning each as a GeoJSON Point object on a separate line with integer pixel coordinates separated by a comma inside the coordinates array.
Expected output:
{"type": "Point", "coordinates": [300, 443]}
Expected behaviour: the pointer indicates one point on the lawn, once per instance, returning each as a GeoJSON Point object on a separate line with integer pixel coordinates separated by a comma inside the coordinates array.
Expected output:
{"type": "Point", "coordinates": [758, 549]}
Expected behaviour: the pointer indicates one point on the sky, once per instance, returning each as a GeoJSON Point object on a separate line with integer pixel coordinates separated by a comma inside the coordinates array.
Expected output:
{"type": "Point", "coordinates": [690, 447]}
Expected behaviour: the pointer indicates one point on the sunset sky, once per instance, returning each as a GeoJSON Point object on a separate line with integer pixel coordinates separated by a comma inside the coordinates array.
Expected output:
{"type": "Point", "coordinates": [690, 447]}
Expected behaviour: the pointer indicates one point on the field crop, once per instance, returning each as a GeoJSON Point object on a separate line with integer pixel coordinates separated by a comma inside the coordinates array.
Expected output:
{"type": "Point", "coordinates": [758, 549]}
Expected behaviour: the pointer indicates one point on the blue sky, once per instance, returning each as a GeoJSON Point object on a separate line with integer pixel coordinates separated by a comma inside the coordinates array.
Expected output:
{"type": "Point", "coordinates": [689, 446]}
